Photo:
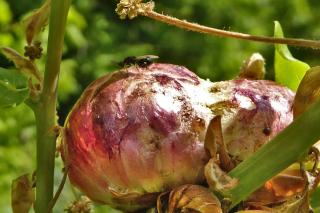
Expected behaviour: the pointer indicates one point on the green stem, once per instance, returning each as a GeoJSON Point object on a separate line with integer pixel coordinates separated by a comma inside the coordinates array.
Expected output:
{"type": "Point", "coordinates": [45, 111]}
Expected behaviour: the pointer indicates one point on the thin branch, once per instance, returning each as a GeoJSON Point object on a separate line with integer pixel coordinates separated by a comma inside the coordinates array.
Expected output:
{"type": "Point", "coordinates": [134, 8]}
{"type": "Point", "coordinates": [59, 190]}
{"type": "Point", "coordinates": [217, 32]}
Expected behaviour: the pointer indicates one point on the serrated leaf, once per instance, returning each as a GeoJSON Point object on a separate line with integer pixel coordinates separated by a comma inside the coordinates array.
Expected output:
{"type": "Point", "coordinates": [13, 89]}
{"type": "Point", "coordinates": [288, 70]}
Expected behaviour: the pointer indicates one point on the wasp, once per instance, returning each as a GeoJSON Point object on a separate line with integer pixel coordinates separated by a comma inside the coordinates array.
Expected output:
{"type": "Point", "coordinates": [141, 61]}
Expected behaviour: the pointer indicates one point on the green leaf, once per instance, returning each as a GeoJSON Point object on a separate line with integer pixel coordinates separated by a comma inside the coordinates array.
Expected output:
{"type": "Point", "coordinates": [13, 88]}
{"type": "Point", "coordinates": [272, 158]}
{"type": "Point", "coordinates": [315, 199]}
{"type": "Point", "coordinates": [288, 70]}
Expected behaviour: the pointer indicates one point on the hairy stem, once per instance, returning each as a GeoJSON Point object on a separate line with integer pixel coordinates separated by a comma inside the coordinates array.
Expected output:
{"type": "Point", "coordinates": [45, 111]}
{"type": "Point", "coordinates": [218, 32]}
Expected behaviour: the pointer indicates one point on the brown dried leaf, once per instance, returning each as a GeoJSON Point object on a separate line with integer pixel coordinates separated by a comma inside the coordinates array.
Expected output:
{"type": "Point", "coordinates": [214, 143]}
{"type": "Point", "coordinates": [280, 188]}
{"type": "Point", "coordinates": [22, 194]}
{"type": "Point", "coordinates": [287, 183]}
{"type": "Point", "coordinates": [27, 67]}
{"type": "Point", "coordinates": [217, 179]}
{"type": "Point", "coordinates": [37, 21]}
{"type": "Point", "coordinates": [189, 198]}
{"type": "Point", "coordinates": [308, 91]}
{"type": "Point", "coordinates": [298, 204]}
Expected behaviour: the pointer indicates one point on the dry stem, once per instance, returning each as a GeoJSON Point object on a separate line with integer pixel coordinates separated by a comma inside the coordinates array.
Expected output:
{"type": "Point", "coordinates": [133, 8]}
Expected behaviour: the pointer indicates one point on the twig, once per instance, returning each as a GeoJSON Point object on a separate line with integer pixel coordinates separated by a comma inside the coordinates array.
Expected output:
{"type": "Point", "coordinates": [59, 190]}
{"type": "Point", "coordinates": [136, 7]}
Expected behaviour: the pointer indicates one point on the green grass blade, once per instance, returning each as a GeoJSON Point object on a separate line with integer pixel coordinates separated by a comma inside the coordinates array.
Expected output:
{"type": "Point", "coordinates": [277, 155]}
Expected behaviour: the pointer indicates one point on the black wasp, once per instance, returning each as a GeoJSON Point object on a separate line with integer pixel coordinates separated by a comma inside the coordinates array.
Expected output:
{"type": "Point", "coordinates": [141, 61]}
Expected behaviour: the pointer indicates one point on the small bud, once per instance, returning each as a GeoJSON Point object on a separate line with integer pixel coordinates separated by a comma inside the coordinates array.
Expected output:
{"type": "Point", "coordinates": [253, 68]}
{"type": "Point", "coordinates": [83, 205]}
{"type": "Point", "coordinates": [33, 51]}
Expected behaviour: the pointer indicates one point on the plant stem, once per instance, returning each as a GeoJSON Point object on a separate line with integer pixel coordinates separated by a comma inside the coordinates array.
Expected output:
{"type": "Point", "coordinates": [60, 188]}
{"type": "Point", "coordinates": [223, 33]}
{"type": "Point", "coordinates": [45, 112]}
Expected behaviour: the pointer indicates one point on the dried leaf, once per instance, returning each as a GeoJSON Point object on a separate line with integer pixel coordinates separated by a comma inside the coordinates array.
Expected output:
{"type": "Point", "coordinates": [22, 194]}
{"type": "Point", "coordinates": [189, 198]}
{"type": "Point", "coordinates": [287, 183]}
{"type": "Point", "coordinates": [298, 204]}
{"type": "Point", "coordinates": [283, 186]}
{"type": "Point", "coordinates": [308, 91]}
{"type": "Point", "coordinates": [27, 67]}
{"type": "Point", "coordinates": [217, 179]}
{"type": "Point", "coordinates": [37, 20]}
{"type": "Point", "coordinates": [215, 144]}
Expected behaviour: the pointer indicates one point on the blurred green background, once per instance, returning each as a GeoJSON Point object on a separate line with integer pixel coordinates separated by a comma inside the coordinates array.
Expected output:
{"type": "Point", "coordinates": [96, 39]}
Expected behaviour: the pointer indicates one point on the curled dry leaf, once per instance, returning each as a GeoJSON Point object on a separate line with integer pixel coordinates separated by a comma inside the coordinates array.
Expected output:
{"type": "Point", "coordinates": [288, 192]}
{"type": "Point", "coordinates": [22, 194]}
{"type": "Point", "coordinates": [280, 188]}
{"type": "Point", "coordinates": [37, 20]}
{"type": "Point", "coordinates": [217, 179]}
{"type": "Point", "coordinates": [297, 204]}
{"type": "Point", "coordinates": [215, 144]}
{"type": "Point", "coordinates": [189, 198]}
{"type": "Point", "coordinates": [27, 67]}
